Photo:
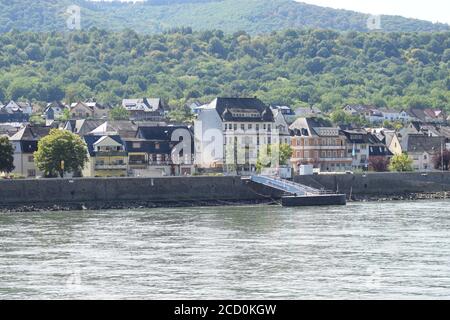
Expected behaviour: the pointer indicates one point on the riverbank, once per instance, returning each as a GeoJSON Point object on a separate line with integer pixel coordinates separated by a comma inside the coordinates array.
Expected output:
{"type": "Point", "coordinates": [191, 204]}
{"type": "Point", "coordinates": [131, 205]}
{"type": "Point", "coordinates": [134, 193]}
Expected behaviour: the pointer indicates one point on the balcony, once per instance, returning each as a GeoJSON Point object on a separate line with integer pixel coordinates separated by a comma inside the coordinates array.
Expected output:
{"type": "Point", "coordinates": [110, 167]}
{"type": "Point", "coordinates": [111, 154]}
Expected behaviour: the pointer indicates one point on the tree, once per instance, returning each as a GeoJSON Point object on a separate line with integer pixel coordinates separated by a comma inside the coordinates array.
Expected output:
{"type": "Point", "coordinates": [265, 155]}
{"type": "Point", "coordinates": [65, 115]}
{"type": "Point", "coordinates": [37, 119]}
{"type": "Point", "coordinates": [441, 158]}
{"type": "Point", "coordinates": [401, 163]}
{"type": "Point", "coordinates": [6, 155]}
{"type": "Point", "coordinates": [181, 115]}
{"type": "Point", "coordinates": [119, 113]}
{"type": "Point", "coordinates": [379, 164]}
{"type": "Point", "coordinates": [285, 153]}
{"type": "Point", "coordinates": [59, 152]}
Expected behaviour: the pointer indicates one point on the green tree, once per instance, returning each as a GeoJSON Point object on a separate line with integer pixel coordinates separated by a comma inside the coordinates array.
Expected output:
{"type": "Point", "coordinates": [6, 155]}
{"type": "Point", "coordinates": [119, 113]}
{"type": "Point", "coordinates": [65, 115]}
{"type": "Point", "coordinates": [59, 152]}
{"type": "Point", "coordinates": [401, 163]}
{"type": "Point", "coordinates": [285, 153]}
{"type": "Point", "coordinates": [37, 119]}
{"type": "Point", "coordinates": [265, 155]}
{"type": "Point", "coordinates": [181, 115]}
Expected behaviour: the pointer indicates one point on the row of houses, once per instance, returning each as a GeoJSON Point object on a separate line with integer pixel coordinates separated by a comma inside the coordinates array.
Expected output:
{"type": "Point", "coordinates": [228, 135]}
{"type": "Point", "coordinates": [144, 109]}
{"type": "Point", "coordinates": [118, 148]}
{"type": "Point", "coordinates": [153, 109]}
{"type": "Point", "coordinates": [379, 115]}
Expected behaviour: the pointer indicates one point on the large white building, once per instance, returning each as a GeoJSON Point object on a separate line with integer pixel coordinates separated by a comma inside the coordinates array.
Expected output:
{"type": "Point", "coordinates": [230, 133]}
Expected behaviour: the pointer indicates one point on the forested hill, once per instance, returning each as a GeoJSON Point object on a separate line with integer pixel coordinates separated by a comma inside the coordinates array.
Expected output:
{"type": "Point", "coordinates": [297, 67]}
{"type": "Point", "coordinates": [252, 16]}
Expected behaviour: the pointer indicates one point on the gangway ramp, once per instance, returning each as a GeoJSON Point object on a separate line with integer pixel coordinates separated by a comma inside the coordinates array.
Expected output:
{"type": "Point", "coordinates": [299, 194]}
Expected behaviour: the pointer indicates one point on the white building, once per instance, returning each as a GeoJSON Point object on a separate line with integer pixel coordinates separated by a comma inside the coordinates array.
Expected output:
{"type": "Point", "coordinates": [230, 133]}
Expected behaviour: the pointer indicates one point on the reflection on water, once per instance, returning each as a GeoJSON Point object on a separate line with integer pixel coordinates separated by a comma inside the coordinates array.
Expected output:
{"type": "Point", "coordinates": [364, 250]}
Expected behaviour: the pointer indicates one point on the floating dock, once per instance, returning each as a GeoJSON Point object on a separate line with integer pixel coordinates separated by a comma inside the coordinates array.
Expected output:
{"type": "Point", "coordinates": [298, 195]}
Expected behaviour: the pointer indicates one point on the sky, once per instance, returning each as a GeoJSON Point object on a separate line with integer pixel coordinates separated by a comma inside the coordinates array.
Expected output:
{"type": "Point", "coordinates": [432, 10]}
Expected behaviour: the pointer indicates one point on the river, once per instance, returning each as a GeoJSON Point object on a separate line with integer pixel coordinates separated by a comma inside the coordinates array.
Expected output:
{"type": "Point", "coordinates": [360, 251]}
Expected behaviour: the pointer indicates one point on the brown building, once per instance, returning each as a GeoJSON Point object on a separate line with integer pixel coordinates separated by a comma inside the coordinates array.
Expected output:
{"type": "Point", "coordinates": [315, 141]}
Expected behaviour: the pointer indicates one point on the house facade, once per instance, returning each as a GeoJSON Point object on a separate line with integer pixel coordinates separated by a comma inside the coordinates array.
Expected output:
{"type": "Point", "coordinates": [421, 149]}
{"type": "Point", "coordinates": [358, 142]}
{"type": "Point", "coordinates": [25, 143]}
{"type": "Point", "coordinates": [90, 109]}
{"type": "Point", "coordinates": [15, 112]}
{"type": "Point", "coordinates": [107, 156]}
{"type": "Point", "coordinates": [230, 133]}
{"type": "Point", "coordinates": [144, 109]}
{"type": "Point", "coordinates": [370, 113]}
{"type": "Point", "coordinates": [316, 142]}
{"type": "Point", "coordinates": [394, 115]}
{"type": "Point", "coordinates": [55, 110]}
{"type": "Point", "coordinates": [161, 151]}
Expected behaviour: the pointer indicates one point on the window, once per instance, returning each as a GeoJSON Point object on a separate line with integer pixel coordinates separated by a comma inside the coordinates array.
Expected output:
{"type": "Point", "coordinates": [235, 127]}
{"type": "Point", "coordinates": [30, 158]}
{"type": "Point", "coordinates": [136, 145]}
{"type": "Point", "coordinates": [157, 146]}
{"type": "Point", "coordinates": [250, 127]}
{"type": "Point", "coordinates": [242, 126]}
{"type": "Point", "coordinates": [31, 173]}
{"type": "Point", "coordinates": [257, 126]}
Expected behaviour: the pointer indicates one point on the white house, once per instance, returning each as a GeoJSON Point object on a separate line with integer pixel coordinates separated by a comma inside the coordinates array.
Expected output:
{"type": "Point", "coordinates": [394, 115]}
{"type": "Point", "coordinates": [24, 107]}
{"type": "Point", "coordinates": [230, 133]}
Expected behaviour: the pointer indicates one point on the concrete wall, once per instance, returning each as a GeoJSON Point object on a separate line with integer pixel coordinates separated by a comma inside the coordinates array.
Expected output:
{"type": "Point", "coordinates": [199, 190]}
{"type": "Point", "coordinates": [110, 190]}
{"type": "Point", "coordinates": [380, 184]}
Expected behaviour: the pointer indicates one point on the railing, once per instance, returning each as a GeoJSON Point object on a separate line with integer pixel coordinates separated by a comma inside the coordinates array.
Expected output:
{"type": "Point", "coordinates": [287, 186]}
{"type": "Point", "coordinates": [111, 154]}
{"type": "Point", "coordinates": [110, 166]}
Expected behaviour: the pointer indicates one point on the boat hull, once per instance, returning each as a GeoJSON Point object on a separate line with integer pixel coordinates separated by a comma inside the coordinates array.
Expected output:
{"type": "Point", "coordinates": [314, 200]}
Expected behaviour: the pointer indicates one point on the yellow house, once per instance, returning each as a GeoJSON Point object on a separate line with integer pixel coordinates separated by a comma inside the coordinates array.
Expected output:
{"type": "Point", "coordinates": [107, 157]}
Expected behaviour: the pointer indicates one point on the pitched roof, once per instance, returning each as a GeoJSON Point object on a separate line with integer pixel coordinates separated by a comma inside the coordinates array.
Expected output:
{"type": "Point", "coordinates": [159, 133]}
{"type": "Point", "coordinates": [310, 126]}
{"type": "Point", "coordinates": [31, 133]}
{"type": "Point", "coordinates": [144, 104]}
{"type": "Point", "coordinates": [242, 109]}
{"type": "Point", "coordinates": [356, 135]}
{"type": "Point", "coordinates": [83, 126]}
{"type": "Point", "coordinates": [422, 143]}
{"type": "Point", "coordinates": [92, 140]}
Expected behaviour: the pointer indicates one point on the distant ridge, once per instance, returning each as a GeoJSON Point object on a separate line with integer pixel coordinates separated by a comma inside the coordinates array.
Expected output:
{"type": "Point", "coordinates": [155, 16]}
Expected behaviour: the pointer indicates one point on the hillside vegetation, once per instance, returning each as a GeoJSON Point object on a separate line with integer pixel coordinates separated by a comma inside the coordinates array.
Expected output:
{"type": "Point", "coordinates": [322, 68]}
{"type": "Point", "coordinates": [253, 16]}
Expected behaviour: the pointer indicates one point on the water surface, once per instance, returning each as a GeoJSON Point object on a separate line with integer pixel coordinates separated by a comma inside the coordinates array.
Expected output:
{"type": "Point", "coordinates": [364, 250]}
